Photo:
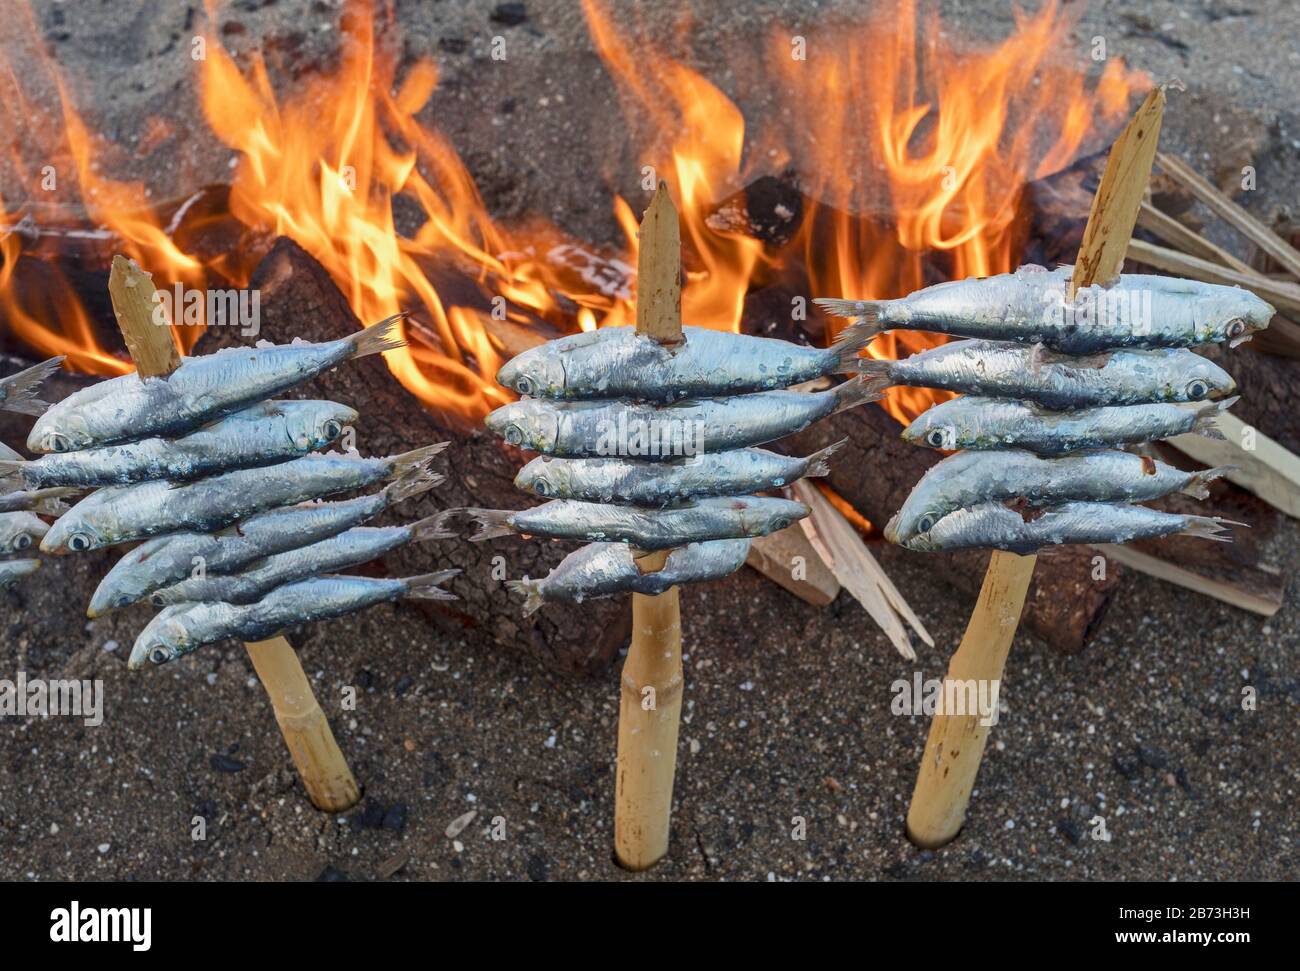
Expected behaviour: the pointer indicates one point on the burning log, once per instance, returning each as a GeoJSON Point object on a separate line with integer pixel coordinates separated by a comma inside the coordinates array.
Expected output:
{"type": "Point", "coordinates": [1065, 606]}
{"type": "Point", "coordinates": [298, 299]}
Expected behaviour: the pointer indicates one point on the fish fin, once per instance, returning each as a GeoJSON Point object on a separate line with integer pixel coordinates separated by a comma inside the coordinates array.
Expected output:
{"type": "Point", "coordinates": [377, 338]}
{"type": "Point", "coordinates": [1207, 417]}
{"type": "Point", "coordinates": [852, 393]}
{"type": "Point", "coordinates": [818, 464]}
{"type": "Point", "coordinates": [1209, 527]}
{"type": "Point", "coordinates": [431, 528]}
{"type": "Point", "coordinates": [425, 586]}
{"type": "Point", "coordinates": [851, 342]}
{"type": "Point", "coordinates": [11, 468]}
{"type": "Point", "coordinates": [416, 458]}
{"type": "Point", "coordinates": [21, 388]}
{"type": "Point", "coordinates": [876, 374]}
{"type": "Point", "coordinates": [532, 591]}
{"type": "Point", "coordinates": [412, 483]}
{"type": "Point", "coordinates": [491, 523]}
{"type": "Point", "coordinates": [1198, 488]}
{"type": "Point", "coordinates": [866, 312]}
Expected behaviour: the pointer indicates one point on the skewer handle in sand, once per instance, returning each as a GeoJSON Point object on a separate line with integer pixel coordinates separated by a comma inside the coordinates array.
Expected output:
{"type": "Point", "coordinates": [324, 771]}
{"type": "Point", "coordinates": [955, 745]}
{"type": "Point", "coordinates": [650, 705]}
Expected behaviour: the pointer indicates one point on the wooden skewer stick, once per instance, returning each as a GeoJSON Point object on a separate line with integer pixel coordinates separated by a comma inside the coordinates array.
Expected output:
{"type": "Point", "coordinates": [650, 706]}
{"type": "Point", "coordinates": [955, 745]}
{"type": "Point", "coordinates": [324, 771]}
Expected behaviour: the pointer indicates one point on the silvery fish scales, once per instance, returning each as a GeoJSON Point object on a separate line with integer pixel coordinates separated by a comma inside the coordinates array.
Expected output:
{"type": "Point", "coordinates": [993, 423]}
{"type": "Point", "coordinates": [641, 483]}
{"type": "Point", "coordinates": [200, 391]}
{"type": "Point", "coordinates": [1029, 306]}
{"type": "Point", "coordinates": [992, 525]}
{"type": "Point", "coordinates": [646, 529]}
{"type": "Point", "coordinates": [166, 560]}
{"type": "Point", "coordinates": [1000, 369]}
{"type": "Point", "coordinates": [970, 478]}
{"type": "Point", "coordinates": [266, 433]}
{"type": "Point", "coordinates": [606, 569]}
{"type": "Point", "coordinates": [120, 514]}
{"type": "Point", "coordinates": [589, 429]}
{"type": "Point", "coordinates": [183, 628]}
{"type": "Point", "coordinates": [617, 362]}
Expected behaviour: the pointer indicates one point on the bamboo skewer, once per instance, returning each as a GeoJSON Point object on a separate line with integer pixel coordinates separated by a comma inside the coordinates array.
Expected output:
{"type": "Point", "coordinates": [956, 742]}
{"type": "Point", "coordinates": [321, 764]}
{"type": "Point", "coordinates": [650, 704]}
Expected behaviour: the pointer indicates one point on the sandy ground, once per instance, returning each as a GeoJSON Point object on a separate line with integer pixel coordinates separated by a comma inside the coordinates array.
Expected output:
{"type": "Point", "coordinates": [787, 707]}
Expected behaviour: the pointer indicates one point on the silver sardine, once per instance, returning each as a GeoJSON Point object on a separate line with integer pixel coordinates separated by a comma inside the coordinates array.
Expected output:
{"type": "Point", "coordinates": [200, 391]}
{"type": "Point", "coordinates": [606, 569]}
{"type": "Point", "coordinates": [183, 628]}
{"type": "Point", "coordinates": [617, 362]}
{"type": "Point", "coordinates": [20, 531]}
{"type": "Point", "coordinates": [585, 429]}
{"type": "Point", "coordinates": [1000, 369]}
{"type": "Point", "coordinates": [264, 434]}
{"type": "Point", "coordinates": [1029, 306]}
{"type": "Point", "coordinates": [992, 423]}
{"type": "Point", "coordinates": [121, 514]}
{"type": "Point", "coordinates": [349, 549]}
{"type": "Point", "coordinates": [640, 483]}
{"type": "Point", "coordinates": [165, 560]}
{"type": "Point", "coordinates": [18, 391]}
{"type": "Point", "coordinates": [646, 529]}
{"type": "Point", "coordinates": [993, 525]}
{"type": "Point", "coordinates": [970, 478]}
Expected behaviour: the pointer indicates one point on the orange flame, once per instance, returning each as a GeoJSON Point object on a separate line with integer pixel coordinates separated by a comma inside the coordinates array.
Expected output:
{"type": "Point", "coordinates": [915, 151]}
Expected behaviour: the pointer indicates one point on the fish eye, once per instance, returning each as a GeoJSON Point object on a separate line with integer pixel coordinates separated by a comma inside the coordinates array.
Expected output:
{"type": "Point", "coordinates": [79, 542]}
{"type": "Point", "coordinates": [926, 523]}
{"type": "Point", "coordinates": [57, 443]}
{"type": "Point", "coordinates": [541, 487]}
{"type": "Point", "coordinates": [1197, 389]}
{"type": "Point", "coordinates": [524, 385]}
{"type": "Point", "coordinates": [158, 655]}
{"type": "Point", "coordinates": [937, 438]}
{"type": "Point", "coordinates": [333, 429]}
{"type": "Point", "coordinates": [514, 435]}
{"type": "Point", "coordinates": [22, 541]}
{"type": "Point", "coordinates": [1236, 327]}
{"type": "Point", "coordinates": [780, 522]}
{"type": "Point", "coordinates": [157, 600]}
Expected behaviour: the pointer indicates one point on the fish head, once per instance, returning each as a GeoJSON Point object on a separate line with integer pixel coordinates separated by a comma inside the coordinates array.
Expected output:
{"type": "Point", "coordinates": [165, 638]}
{"type": "Point", "coordinates": [321, 423]}
{"type": "Point", "coordinates": [56, 431]}
{"type": "Point", "coordinates": [21, 531]}
{"type": "Point", "coordinates": [543, 476]}
{"type": "Point", "coordinates": [1202, 381]}
{"type": "Point", "coordinates": [777, 514]}
{"type": "Point", "coordinates": [911, 521]}
{"type": "Point", "coordinates": [1232, 314]}
{"type": "Point", "coordinates": [526, 424]}
{"type": "Point", "coordinates": [74, 532]}
{"type": "Point", "coordinates": [537, 372]}
{"type": "Point", "coordinates": [939, 427]}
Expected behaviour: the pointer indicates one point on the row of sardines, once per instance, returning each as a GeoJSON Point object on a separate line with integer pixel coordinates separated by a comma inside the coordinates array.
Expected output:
{"type": "Point", "coordinates": [648, 447]}
{"type": "Point", "coordinates": [221, 487]}
{"type": "Point", "coordinates": [1055, 396]}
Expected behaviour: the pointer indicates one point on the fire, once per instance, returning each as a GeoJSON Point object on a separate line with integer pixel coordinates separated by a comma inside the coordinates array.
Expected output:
{"type": "Point", "coordinates": [885, 119]}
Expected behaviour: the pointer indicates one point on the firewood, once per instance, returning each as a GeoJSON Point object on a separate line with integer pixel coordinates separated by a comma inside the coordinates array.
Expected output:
{"type": "Point", "coordinates": [1282, 295]}
{"type": "Point", "coordinates": [1188, 240]}
{"type": "Point", "coordinates": [788, 559]}
{"type": "Point", "coordinates": [955, 746]}
{"type": "Point", "coordinates": [320, 762]}
{"type": "Point", "coordinates": [1260, 465]}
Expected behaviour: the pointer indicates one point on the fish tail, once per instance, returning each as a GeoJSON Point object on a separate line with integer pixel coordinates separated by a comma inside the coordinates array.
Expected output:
{"type": "Point", "coordinates": [818, 464]}
{"type": "Point", "coordinates": [49, 502]}
{"type": "Point", "coordinates": [1199, 486]}
{"type": "Point", "coordinates": [870, 315]}
{"type": "Point", "coordinates": [491, 523]}
{"type": "Point", "coordinates": [1207, 418]}
{"type": "Point", "coordinates": [412, 483]}
{"type": "Point", "coordinates": [416, 458]}
{"type": "Point", "coordinates": [532, 591]}
{"type": "Point", "coordinates": [377, 338]}
{"type": "Point", "coordinates": [425, 586]}
{"type": "Point", "coordinates": [876, 374]}
{"type": "Point", "coordinates": [12, 469]}
{"type": "Point", "coordinates": [1209, 527]}
{"type": "Point", "coordinates": [431, 528]}
{"type": "Point", "coordinates": [852, 393]}
{"type": "Point", "coordinates": [851, 342]}
{"type": "Point", "coordinates": [21, 388]}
